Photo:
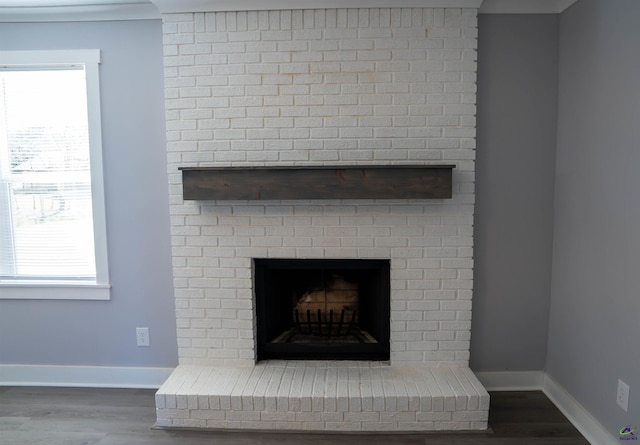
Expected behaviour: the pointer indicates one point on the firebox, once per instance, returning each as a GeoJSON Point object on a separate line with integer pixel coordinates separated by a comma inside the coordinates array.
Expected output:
{"type": "Point", "coordinates": [322, 309]}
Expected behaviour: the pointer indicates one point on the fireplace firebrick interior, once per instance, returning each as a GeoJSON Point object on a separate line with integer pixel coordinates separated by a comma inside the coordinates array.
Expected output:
{"type": "Point", "coordinates": [322, 309]}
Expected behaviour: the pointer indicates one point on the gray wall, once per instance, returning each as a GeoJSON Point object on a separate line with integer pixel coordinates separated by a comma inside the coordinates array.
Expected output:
{"type": "Point", "coordinates": [595, 301]}
{"type": "Point", "coordinates": [517, 102]}
{"type": "Point", "coordinates": [103, 332]}
{"type": "Point", "coordinates": [516, 136]}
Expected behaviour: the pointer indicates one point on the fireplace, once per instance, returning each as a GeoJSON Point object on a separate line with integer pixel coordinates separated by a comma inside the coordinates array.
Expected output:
{"type": "Point", "coordinates": [296, 139]}
{"type": "Point", "coordinates": [322, 309]}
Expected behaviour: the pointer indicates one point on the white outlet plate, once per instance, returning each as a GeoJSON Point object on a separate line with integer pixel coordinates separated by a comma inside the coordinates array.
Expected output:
{"type": "Point", "coordinates": [142, 335]}
{"type": "Point", "coordinates": [622, 396]}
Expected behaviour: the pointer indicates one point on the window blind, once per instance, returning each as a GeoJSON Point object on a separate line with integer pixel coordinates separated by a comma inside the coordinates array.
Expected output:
{"type": "Point", "coordinates": [46, 226]}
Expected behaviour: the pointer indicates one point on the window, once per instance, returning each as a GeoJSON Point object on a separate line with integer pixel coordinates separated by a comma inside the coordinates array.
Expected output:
{"type": "Point", "coordinates": [52, 218]}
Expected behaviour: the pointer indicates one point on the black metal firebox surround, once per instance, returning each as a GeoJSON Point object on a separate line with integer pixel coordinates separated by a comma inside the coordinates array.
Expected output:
{"type": "Point", "coordinates": [293, 324]}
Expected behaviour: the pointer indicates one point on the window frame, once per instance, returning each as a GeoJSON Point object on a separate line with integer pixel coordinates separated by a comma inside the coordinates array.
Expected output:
{"type": "Point", "coordinates": [71, 289]}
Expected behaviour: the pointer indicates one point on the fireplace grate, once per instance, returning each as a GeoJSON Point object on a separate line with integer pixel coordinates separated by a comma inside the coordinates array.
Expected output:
{"type": "Point", "coordinates": [326, 328]}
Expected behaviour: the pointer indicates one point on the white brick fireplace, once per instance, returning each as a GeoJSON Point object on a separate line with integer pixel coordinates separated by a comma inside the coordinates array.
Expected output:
{"type": "Point", "coordinates": [322, 87]}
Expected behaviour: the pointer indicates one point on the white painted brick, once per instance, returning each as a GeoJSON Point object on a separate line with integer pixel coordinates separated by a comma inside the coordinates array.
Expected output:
{"type": "Point", "coordinates": [342, 115]}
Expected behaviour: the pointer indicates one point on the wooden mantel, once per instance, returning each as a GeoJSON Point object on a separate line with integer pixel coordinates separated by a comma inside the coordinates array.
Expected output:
{"type": "Point", "coordinates": [344, 182]}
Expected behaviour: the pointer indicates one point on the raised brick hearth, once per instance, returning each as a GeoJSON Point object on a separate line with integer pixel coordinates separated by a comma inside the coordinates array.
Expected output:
{"type": "Point", "coordinates": [323, 87]}
{"type": "Point", "coordinates": [323, 396]}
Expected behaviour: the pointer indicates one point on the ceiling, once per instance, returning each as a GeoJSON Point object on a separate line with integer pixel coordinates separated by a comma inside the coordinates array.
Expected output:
{"type": "Point", "coordinates": [72, 10]}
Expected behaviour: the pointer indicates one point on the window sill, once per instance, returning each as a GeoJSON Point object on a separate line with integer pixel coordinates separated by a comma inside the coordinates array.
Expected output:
{"type": "Point", "coordinates": [54, 290]}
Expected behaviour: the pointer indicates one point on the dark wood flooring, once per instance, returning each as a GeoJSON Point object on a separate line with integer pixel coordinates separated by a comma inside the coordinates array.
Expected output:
{"type": "Point", "coordinates": [74, 416]}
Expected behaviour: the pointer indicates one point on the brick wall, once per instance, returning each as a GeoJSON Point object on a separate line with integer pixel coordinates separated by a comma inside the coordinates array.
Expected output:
{"type": "Point", "coordinates": [322, 87]}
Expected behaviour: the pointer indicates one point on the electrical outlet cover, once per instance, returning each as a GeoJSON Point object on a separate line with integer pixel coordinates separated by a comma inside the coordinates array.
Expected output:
{"type": "Point", "coordinates": [622, 397]}
{"type": "Point", "coordinates": [142, 335]}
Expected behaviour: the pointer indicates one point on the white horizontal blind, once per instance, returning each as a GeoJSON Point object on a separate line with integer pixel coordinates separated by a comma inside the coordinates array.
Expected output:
{"type": "Point", "coordinates": [46, 225]}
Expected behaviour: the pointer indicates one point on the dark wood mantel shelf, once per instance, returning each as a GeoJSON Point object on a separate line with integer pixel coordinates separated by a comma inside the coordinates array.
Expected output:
{"type": "Point", "coordinates": [344, 182]}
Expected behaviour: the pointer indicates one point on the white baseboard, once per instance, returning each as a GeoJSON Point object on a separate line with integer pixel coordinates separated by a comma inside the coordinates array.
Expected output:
{"type": "Point", "coordinates": [83, 376]}
{"type": "Point", "coordinates": [511, 380]}
{"type": "Point", "coordinates": [584, 422]}
{"type": "Point", "coordinates": [153, 378]}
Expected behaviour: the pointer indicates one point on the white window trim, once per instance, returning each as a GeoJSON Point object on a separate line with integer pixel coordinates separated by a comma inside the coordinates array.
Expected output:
{"type": "Point", "coordinates": [69, 289]}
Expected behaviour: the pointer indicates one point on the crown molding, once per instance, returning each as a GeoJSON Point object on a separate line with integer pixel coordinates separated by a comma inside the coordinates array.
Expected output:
{"type": "Point", "coordinates": [80, 13]}
{"type": "Point", "coordinates": [485, 7]}
{"type": "Point", "coordinates": [177, 6]}
{"type": "Point", "coordinates": [525, 6]}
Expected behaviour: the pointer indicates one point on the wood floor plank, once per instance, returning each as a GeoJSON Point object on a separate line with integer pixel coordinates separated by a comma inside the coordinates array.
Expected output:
{"type": "Point", "coordinates": [88, 416]}
{"type": "Point", "coordinates": [49, 438]}
{"type": "Point", "coordinates": [12, 423]}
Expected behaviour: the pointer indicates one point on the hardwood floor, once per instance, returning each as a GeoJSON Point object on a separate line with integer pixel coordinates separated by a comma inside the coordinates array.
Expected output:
{"type": "Point", "coordinates": [75, 416]}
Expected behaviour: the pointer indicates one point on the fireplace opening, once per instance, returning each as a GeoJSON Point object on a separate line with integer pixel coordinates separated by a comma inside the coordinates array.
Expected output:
{"type": "Point", "coordinates": [322, 309]}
